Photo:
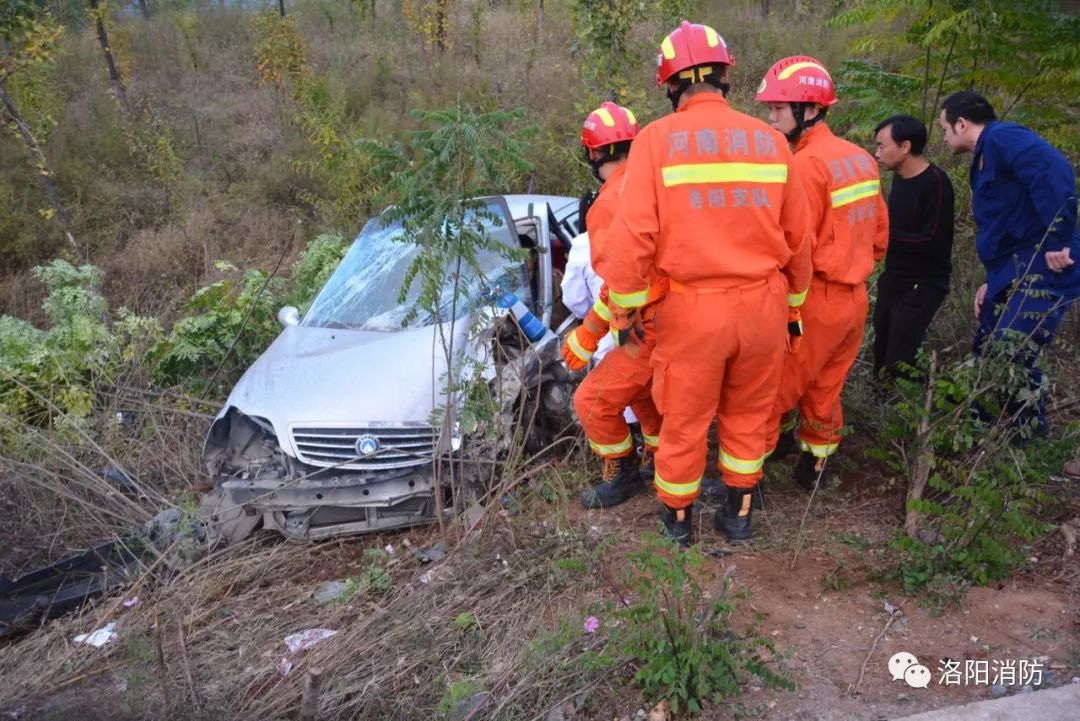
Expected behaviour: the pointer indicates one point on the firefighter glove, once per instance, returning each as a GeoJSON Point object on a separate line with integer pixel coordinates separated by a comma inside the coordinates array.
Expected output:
{"type": "Point", "coordinates": [579, 348]}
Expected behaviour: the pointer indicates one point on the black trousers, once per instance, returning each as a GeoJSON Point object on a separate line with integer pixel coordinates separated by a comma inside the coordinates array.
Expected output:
{"type": "Point", "coordinates": [902, 314]}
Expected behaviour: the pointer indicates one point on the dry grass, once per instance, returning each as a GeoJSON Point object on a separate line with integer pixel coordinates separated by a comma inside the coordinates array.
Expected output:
{"type": "Point", "coordinates": [193, 71]}
{"type": "Point", "coordinates": [395, 653]}
{"type": "Point", "coordinates": [56, 496]}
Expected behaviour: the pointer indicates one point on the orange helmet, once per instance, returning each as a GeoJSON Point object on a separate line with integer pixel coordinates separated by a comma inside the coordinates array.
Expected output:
{"type": "Point", "coordinates": [690, 46]}
{"type": "Point", "coordinates": [607, 125]}
{"type": "Point", "coordinates": [798, 79]}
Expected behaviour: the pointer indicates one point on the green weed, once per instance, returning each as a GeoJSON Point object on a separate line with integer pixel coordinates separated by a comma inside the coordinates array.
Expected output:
{"type": "Point", "coordinates": [680, 634]}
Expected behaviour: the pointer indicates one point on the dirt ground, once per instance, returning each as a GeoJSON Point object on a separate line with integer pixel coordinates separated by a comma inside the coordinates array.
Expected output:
{"type": "Point", "coordinates": [833, 625]}
{"type": "Point", "coordinates": [831, 618]}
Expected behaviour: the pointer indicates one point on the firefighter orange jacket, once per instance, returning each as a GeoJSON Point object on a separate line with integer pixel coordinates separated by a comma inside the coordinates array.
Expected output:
{"type": "Point", "coordinates": [711, 198]}
{"type": "Point", "coordinates": [602, 211]}
{"type": "Point", "coordinates": [597, 222]}
{"type": "Point", "coordinates": [843, 191]}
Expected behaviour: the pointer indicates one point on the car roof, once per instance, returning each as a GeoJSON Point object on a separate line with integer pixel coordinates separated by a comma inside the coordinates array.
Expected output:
{"type": "Point", "coordinates": [519, 204]}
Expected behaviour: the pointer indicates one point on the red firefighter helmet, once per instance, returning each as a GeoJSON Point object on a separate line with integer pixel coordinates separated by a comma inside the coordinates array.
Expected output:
{"type": "Point", "coordinates": [607, 125]}
{"type": "Point", "coordinates": [690, 45]}
{"type": "Point", "coordinates": [798, 79]}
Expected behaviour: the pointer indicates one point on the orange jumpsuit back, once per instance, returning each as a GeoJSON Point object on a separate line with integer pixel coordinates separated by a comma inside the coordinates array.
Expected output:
{"type": "Point", "coordinates": [623, 377]}
{"type": "Point", "coordinates": [851, 225]}
{"type": "Point", "coordinates": [712, 202]}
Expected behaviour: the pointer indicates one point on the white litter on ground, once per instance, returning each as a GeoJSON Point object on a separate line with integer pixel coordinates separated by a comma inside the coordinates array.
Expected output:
{"type": "Point", "coordinates": [301, 641]}
{"type": "Point", "coordinates": [100, 637]}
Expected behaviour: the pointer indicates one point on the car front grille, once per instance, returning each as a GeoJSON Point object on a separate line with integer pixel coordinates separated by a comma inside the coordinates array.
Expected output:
{"type": "Point", "coordinates": [396, 445]}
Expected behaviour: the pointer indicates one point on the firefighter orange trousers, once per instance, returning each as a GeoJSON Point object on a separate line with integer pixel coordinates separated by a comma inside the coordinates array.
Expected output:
{"type": "Point", "coordinates": [719, 353]}
{"type": "Point", "coordinates": [622, 378]}
{"type": "Point", "coordinates": [833, 315]}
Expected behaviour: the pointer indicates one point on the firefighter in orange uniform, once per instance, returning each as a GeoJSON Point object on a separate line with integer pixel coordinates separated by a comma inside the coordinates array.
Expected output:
{"type": "Point", "coordinates": [710, 202]}
{"type": "Point", "coordinates": [623, 377]}
{"type": "Point", "coordinates": [851, 231]}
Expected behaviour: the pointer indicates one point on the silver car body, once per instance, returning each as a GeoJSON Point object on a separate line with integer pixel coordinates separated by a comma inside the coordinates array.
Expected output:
{"type": "Point", "coordinates": [330, 430]}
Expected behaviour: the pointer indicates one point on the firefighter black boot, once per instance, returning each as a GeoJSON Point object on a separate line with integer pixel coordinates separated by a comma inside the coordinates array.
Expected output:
{"type": "Point", "coordinates": [678, 525]}
{"type": "Point", "coordinates": [757, 498]}
{"type": "Point", "coordinates": [647, 471]}
{"type": "Point", "coordinates": [807, 470]}
{"type": "Point", "coordinates": [733, 518]}
{"type": "Point", "coordinates": [618, 483]}
{"type": "Point", "coordinates": [786, 444]}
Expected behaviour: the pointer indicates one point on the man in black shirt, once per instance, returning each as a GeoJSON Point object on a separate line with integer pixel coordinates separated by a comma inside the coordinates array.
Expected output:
{"type": "Point", "coordinates": [918, 263]}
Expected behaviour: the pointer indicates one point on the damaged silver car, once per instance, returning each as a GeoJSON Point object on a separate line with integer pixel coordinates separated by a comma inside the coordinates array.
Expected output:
{"type": "Point", "coordinates": [331, 430]}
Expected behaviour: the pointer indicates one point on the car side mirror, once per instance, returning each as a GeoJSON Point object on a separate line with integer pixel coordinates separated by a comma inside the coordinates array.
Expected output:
{"type": "Point", "coordinates": [289, 315]}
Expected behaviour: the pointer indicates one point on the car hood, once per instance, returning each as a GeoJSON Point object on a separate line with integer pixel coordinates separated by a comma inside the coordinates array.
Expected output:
{"type": "Point", "coordinates": [323, 376]}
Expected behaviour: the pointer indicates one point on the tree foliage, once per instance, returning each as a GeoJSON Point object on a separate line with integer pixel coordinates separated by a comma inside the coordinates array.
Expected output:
{"type": "Point", "coordinates": [29, 35]}
{"type": "Point", "coordinates": [229, 322]}
{"type": "Point", "coordinates": [430, 20]}
{"type": "Point", "coordinates": [51, 377]}
{"type": "Point", "coordinates": [609, 58]}
{"type": "Point", "coordinates": [1022, 55]}
{"type": "Point", "coordinates": [432, 179]}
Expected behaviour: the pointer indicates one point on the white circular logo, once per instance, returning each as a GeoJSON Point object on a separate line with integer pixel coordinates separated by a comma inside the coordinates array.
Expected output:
{"type": "Point", "coordinates": [366, 445]}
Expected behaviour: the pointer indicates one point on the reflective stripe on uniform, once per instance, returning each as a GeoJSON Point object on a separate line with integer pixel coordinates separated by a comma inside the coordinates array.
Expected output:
{"type": "Point", "coordinates": [653, 441]}
{"type": "Point", "coordinates": [796, 299]}
{"type": "Point", "coordinates": [601, 309]}
{"type": "Point", "coordinates": [819, 450]}
{"type": "Point", "coordinates": [741, 465]}
{"type": "Point", "coordinates": [677, 489]}
{"type": "Point", "coordinates": [576, 347]}
{"type": "Point", "coordinates": [614, 449]}
{"type": "Point", "coordinates": [788, 424]}
{"type": "Point", "coordinates": [858, 191]}
{"type": "Point", "coordinates": [629, 300]}
{"type": "Point", "coordinates": [724, 173]}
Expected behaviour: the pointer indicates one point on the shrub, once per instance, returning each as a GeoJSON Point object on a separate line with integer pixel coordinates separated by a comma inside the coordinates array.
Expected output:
{"type": "Point", "coordinates": [986, 472]}
{"type": "Point", "coordinates": [229, 322]}
{"type": "Point", "coordinates": [52, 377]}
{"type": "Point", "coordinates": [680, 635]}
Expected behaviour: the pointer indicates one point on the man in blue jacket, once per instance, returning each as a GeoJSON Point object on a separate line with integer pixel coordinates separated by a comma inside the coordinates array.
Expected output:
{"type": "Point", "coordinates": [1023, 197]}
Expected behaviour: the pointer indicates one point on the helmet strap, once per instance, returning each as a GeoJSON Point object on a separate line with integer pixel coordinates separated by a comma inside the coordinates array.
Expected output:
{"type": "Point", "coordinates": [608, 153]}
{"type": "Point", "coordinates": [597, 163]}
{"type": "Point", "coordinates": [798, 110]}
{"type": "Point", "coordinates": [698, 76]}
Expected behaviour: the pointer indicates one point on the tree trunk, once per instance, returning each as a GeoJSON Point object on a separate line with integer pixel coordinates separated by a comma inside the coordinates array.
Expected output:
{"type": "Point", "coordinates": [766, 8]}
{"type": "Point", "coordinates": [924, 455]}
{"type": "Point", "coordinates": [103, 39]}
{"type": "Point", "coordinates": [281, 7]}
{"type": "Point", "coordinates": [539, 20]}
{"type": "Point", "coordinates": [42, 168]}
{"type": "Point", "coordinates": [442, 23]}
{"type": "Point", "coordinates": [144, 6]}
